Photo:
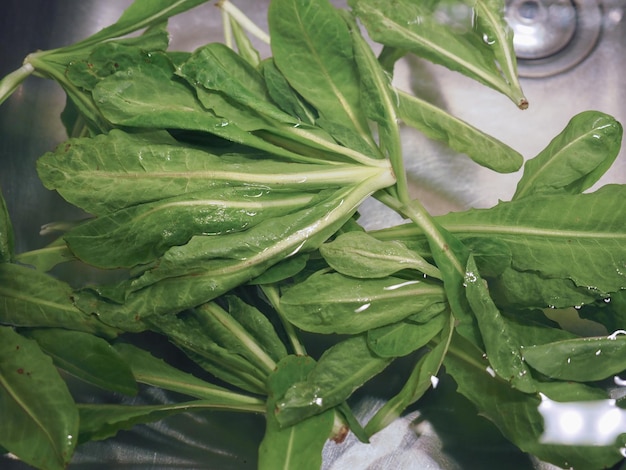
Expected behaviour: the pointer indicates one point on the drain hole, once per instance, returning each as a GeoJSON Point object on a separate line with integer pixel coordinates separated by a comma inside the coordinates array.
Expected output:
{"type": "Point", "coordinates": [528, 10]}
{"type": "Point", "coordinates": [551, 36]}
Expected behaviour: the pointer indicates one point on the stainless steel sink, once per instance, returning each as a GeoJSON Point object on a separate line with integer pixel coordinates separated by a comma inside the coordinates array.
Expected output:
{"type": "Point", "coordinates": [29, 126]}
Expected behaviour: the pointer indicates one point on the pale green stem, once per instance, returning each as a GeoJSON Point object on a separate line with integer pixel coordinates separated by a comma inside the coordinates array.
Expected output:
{"type": "Point", "coordinates": [13, 80]}
{"type": "Point", "coordinates": [271, 292]}
{"type": "Point", "coordinates": [415, 211]}
{"type": "Point", "coordinates": [242, 335]}
{"type": "Point", "coordinates": [245, 22]}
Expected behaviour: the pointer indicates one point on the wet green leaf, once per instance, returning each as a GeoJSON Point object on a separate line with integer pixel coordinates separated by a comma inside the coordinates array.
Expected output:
{"type": "Point", "coordinates": [39, 415]}
{"type": "Point", "coordinates": [402, 338]}
{"type": "Point", "coordinates": [422, 377]}
{"type": "Point", "coordinates": [360, 255]}
{"type": "Point", "coordinates": [150, 370]}
{"type": "Point", "coordinates": [575, 159]}
{"type": "Point", "coordinates": [322, 71]}
{"type": "Point", "coordinates": [502, 348]}
{"type": "Point", "coordinates": [87, 357]}
{"type": "Point", "coordinates": [437, 124]}
{"type": "Point", "coordinates": [299, 444]}
{"type": "Point", "coordinates": [143, 232]}
{"type": "Point", "coordinates": [579, 359]}
{"type": "Point", "coordinates": [516, 413]}
{"type": "Point", "coordinates": [341, 369]}
{"type": "Point", "coordinates": [35, 299]}
{"type": "Point", "coordinates": [334, 303]}
{"type": "Point", "coordinates": [414, 27]}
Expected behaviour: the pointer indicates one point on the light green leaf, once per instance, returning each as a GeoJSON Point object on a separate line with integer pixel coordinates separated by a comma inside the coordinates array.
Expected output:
{"type": "Point", "coordinates": [334, 303]}
{"type": "Point", "coordinates": [579, 237]}
{"type": "Point", "coordinates": [575, 159]}
{"type": "Point", "coordinates": [360, 255]}
{"type": "Point", "coordinates": [209, 266]}
{"type": "Point", "coordinates": [413, 27]}
{"type": "Point", "coordinates": [140, 14]}
{"type": "Point", "coordinates": [152, 166]}
{"type": "Point", "coordinates": [321, 70]}
{"type": "Point", "coordinates": [39, 417]}
{"type": "Point", "coordinates": [437, 124]}
{"type": "Point", "coordinates": [141, 233]}
{"type": "Point", "coordinates": [498, 35]}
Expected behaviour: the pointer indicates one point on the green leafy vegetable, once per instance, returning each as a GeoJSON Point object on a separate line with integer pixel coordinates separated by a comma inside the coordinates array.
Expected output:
{"type": "Point", "coordinates": [221, 192]}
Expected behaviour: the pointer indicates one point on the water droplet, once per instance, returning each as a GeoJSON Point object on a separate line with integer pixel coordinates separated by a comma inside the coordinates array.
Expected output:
{"type": "Point", "coordinates": [488, 40]}
{"type": "Point", "coordinates": [362, 308]}
{"type": "Point", "coordinates": [607, 300]}
{"type": "Point", "coordinates": [617, 380]}
{"type": "Point", "coordinates": [490, 371]}
{"type": "Point", "coordinates": [434, 381]}
{"type": "Point", "coordinates": [598, 352]}
{"type": "Point", "coordinates": [470, 277]}
{"type": "Point", "coordinates": [402, 284]}
{"type": "Point", "coordinates": [622, 451]}
{"type": "Point", "coordinates": [569, 360]}
{"type": "Point", "coordinates": [616, 333]}
{"type": "Point", "coordinates": [578, 307]}
{"type": "Point", "coordinates": [319, 401]}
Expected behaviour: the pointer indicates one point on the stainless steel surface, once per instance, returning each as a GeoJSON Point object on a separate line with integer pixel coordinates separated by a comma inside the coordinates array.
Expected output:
{"type": "Point", "coordinates": [29, 126]}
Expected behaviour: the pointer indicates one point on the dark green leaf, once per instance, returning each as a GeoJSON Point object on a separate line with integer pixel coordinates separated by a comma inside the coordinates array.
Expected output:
{"type": "Point", "coordinates": [39, 417]}
{"type": "Point", "coordinates": [501, 346]}
{"type": "Point", "coordinates": [284, 95]}
{"type": "Point", "coordinates": [34, 299]}
{"type": "Point", "coordinates": [6, 233]}
{"type": "Point", "coordinates": [189, 333]}
{"type": "Point", "coordinates": [299, 445]}
{"type": "Point", "coordinates": [402, 338]}
{"type": "Point", "coordinates": [423, 376]}
{"type": "Point", "coordinates": [333, 303]}
{"type": "Point", "coordinates": [579, 359]}
{"type": "Point", "coordinates": [87, 357]}
{"type": "Point", "coordinates": [516, 414]}
{"type": "Point", "coordinates": [150, 370]}
{"type": "Point", "coordinates": [341, 369]}
{"type": "Point", "coordinates": [575, 159]}
{"type": "Point", "coordinates": [258, 326]}
{"type": "Point", "coordinates": [99, 422]}
{"type": "Point", "coordinates": [44, 259]}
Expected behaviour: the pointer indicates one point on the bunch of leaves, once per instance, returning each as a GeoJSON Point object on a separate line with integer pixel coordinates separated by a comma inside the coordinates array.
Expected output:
{"type": "Point", "coordinates": [223, 189]}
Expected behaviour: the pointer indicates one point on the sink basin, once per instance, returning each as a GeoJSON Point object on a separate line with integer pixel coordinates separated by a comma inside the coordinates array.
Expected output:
{"type": "Point", "coordinates": [29, 126]}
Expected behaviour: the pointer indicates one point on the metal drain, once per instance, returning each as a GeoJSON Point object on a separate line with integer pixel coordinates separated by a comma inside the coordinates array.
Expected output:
{"type": "Point", "coordinates": [552, 36]}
